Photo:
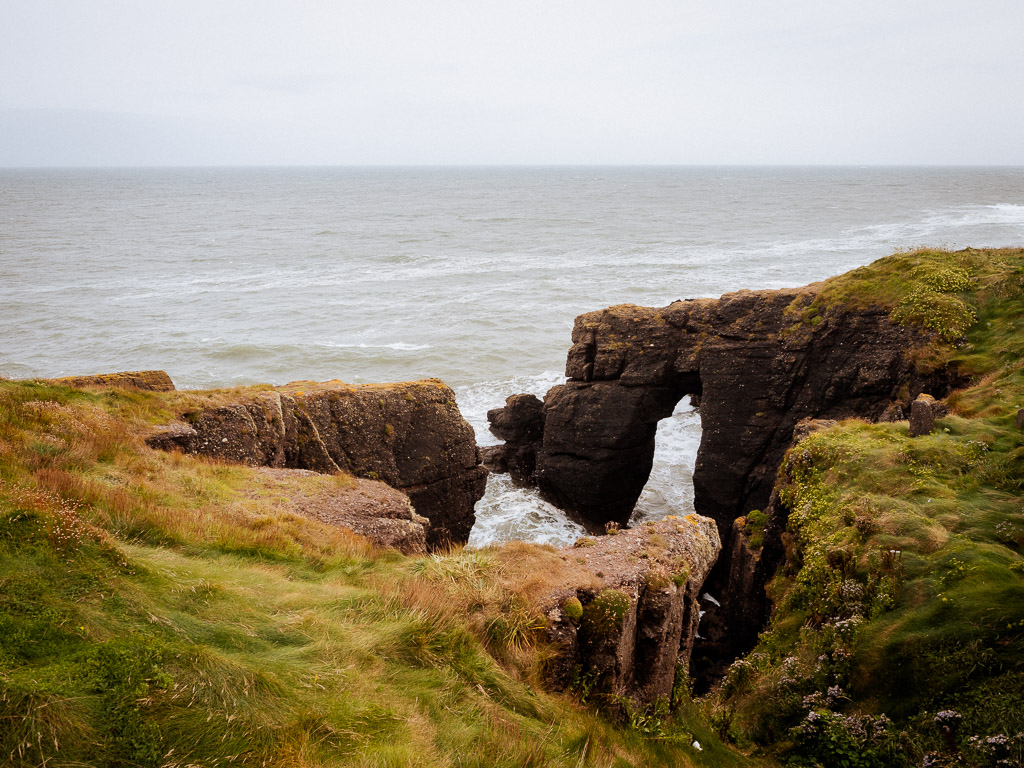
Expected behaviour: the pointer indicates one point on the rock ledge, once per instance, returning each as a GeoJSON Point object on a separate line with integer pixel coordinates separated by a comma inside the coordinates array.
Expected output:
{"type": "Point", "coordinates": [409, 435]}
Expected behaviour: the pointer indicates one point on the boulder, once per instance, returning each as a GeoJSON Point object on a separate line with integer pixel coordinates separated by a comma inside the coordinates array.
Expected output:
{"type": "Point", "coordinates": [369, 508]}
{"type": "Point", "coordinates": [922, 415]}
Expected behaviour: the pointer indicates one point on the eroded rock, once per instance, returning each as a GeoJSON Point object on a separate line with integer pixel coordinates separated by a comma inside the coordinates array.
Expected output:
{"type": "Point", "coordinates": [758, 369]}
{"type": "Point", "coordinates": [408, 435]}
{"type": "Point", "coordinates": [153, 381]}
{"type": "Point", "coordinates": [757, 362]}
{"type": "Point", "coordinates": [369, 508]}
{"type": "Point", "coordinates": [632, 630]}
{"type": "Point", "coordinates": [520, 423]}
{"type": "Point", "coordinates": [922, 415]}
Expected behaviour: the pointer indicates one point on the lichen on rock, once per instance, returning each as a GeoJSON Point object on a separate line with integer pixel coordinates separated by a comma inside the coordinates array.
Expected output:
{"type": "Point", "coordinates": [629, 620]}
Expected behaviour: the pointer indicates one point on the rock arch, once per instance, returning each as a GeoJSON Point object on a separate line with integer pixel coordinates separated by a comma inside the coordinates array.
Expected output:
{"type": "Point", "coordinates": [756, 367]}
{"type": "Point", "coordinates": [758, 363]}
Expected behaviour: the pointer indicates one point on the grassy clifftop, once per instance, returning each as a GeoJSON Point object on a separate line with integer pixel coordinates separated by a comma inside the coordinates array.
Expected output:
{"type": "Point", "coordinates": [899, 623]}
{"type": "Point", "coordinates": [162, 610]}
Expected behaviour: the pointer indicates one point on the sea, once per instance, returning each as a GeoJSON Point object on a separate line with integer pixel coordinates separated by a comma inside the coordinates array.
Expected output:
{"type": "Point", "coordinates": [232, 276]}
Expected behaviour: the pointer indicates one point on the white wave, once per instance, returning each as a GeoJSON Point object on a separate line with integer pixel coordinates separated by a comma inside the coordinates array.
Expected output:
{"type": "Point", "coordinates": [979, 215]}
{"type": "Point", "coordinates": [475, 400]}
{"type": "Point", "coordinates": [398, 345]}
{"type": "Point", "coordinates": [669, 489]}
{"type": "Point", "coordinates": [508, 513]}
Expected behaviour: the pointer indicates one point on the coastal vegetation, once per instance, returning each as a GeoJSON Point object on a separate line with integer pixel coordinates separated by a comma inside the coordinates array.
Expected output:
{"type": "Point", "coordinates": [898, 631]}
{"type": "Point", "coordinates": [159, 609]}
{"type": "Point", "coordinates": [163, 609]}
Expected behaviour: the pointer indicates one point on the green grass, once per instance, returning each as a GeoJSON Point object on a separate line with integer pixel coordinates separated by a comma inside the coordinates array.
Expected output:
{"type": "Point", "coordinates": [162, 610]}
{"type": "Point", "coordinates": [903, 584]}
{"type": "Point", "coordinates": [158, 609]}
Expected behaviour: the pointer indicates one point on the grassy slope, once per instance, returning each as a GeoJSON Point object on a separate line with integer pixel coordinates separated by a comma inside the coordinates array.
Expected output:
{"type": "Point", "coordinates": [904, 580]}
{"type": "Point", "coordinates": [157, 609]}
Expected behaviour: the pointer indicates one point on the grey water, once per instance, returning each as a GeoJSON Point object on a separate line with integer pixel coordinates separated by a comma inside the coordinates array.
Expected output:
{"type": "Point", "coordinates": [226, 276]}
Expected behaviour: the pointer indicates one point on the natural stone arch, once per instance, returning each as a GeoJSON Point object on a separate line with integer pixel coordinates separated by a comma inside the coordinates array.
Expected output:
{"type": "Point", "coordinates": [757, 369]}
{"type": "Point", "coordinates": [758, 366]}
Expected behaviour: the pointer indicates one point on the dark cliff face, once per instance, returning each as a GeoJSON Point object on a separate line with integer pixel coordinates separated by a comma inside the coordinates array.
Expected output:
{"type": "Point", "coordinates": [410, 436]}
{"type": "Point", "coordinates": [757, 368]}
{"type": "Point", "coordinates": [758, 363]}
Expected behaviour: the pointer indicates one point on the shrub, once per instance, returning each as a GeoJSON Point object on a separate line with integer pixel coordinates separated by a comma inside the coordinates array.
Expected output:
{"type": "Point", "coordinates": [604, 614]}
{"type": "Point", "coordinates": [573, 608]}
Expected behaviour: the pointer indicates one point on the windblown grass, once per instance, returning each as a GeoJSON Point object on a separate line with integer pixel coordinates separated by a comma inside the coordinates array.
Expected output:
{"type": "Point", "coordinates": [903, 588]}
{"type": "Point", "coordinates": [163, 610]}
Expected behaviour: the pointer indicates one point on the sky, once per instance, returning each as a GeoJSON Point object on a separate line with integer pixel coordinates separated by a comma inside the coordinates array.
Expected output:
{"type": "Point", "coordinates": [389, 82]}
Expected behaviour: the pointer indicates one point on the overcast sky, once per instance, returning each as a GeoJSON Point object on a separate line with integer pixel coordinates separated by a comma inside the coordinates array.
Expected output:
{"type": "Point", "coordinates": [89, 82]}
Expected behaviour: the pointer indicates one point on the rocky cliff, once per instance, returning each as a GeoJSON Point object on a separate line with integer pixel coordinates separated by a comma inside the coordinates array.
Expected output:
{"type": "Point", "coordinates": [758, 366]}
{"type": "Point", "coordinates": [408, 435]}
{"type": "Point", "coordinates": [625, 626]}
{"type": "Point", "coordinates": [757, 363]}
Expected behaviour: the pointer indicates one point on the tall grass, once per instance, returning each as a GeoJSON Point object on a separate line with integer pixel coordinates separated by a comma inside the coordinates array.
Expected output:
{"type": "Point", "coordinates": [903, 588]}
{"type": "Point", "coordinates": [162, 610]}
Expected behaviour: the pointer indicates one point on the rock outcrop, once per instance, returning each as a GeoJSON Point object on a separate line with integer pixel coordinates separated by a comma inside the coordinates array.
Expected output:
{"type": "Point", "coordinates": [757, 366]}
{"type": "Point", "coordinates": [626, 628]}
{"type": "Point", "coordinates": [153, 381]}
{"type": "Point", "coordinates": [369, 508]}
{"type": "Point", "coordinates": [408, 435]}
{"type": "Point", "coordinates": [922, 415]}
{"type": "Point", "coordinates": [756, 362]}
{"type": "Point", "coordinates": [520, 423]}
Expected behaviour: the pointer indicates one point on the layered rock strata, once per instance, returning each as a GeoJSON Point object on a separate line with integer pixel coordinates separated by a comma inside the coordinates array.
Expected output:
{"type": "Point", "coordinates": [626, 626]}
{"type": "Point", "coordinates": [408, 435]}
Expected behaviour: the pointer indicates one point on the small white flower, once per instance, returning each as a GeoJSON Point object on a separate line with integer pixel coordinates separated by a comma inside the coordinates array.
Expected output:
{"type": "Point", "coordinates": [696, 745]}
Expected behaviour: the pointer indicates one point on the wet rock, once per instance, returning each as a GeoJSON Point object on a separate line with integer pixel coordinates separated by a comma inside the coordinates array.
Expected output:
{"type": "Point", "coordinates": [153, 381]}
{"type": "Point", "coordinates": [493, 457]}
{"type": "Point", "coordinates": [408, 435]}
{"type": "Point", "coordinates": [635, 624]}
{"type": "Point", "coordinates": [520, 423]}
